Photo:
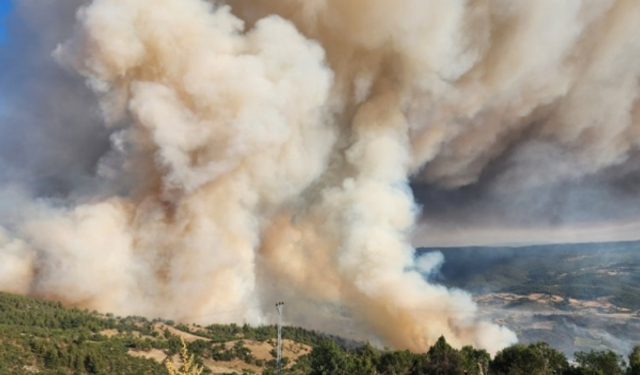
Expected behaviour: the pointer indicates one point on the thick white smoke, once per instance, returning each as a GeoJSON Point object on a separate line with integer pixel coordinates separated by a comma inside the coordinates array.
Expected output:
{"type": "Point", "coordinates": [263, 150]}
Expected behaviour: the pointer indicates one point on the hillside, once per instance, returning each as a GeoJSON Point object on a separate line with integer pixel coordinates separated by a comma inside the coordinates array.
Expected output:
{"type": "Point", "coordinates": [46, 338]}
{"type": "Point", "coordinates": [41, 337]}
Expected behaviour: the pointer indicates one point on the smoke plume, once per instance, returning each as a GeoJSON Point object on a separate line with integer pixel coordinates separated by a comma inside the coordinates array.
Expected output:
{"type": "Point", "coordinates": [182, 158]}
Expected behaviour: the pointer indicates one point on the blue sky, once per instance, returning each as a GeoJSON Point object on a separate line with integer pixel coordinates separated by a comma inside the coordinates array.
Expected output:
{"type": "Point", "coordinates": [5, 8]}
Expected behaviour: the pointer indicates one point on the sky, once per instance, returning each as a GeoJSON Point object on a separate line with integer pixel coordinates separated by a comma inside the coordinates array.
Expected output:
{"type": "Point", "coordinates": [5, 8]}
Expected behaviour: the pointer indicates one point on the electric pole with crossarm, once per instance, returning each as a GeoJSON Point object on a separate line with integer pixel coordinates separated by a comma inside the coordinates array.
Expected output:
{"type": "Point", "coordinates": [279, 307]}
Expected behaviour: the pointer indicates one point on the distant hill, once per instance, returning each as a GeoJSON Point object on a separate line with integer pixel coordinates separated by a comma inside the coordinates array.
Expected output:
{"type": "Point", "coordinates": [581, 271]}
{"type": "Point", "coordinates": [573, 296]}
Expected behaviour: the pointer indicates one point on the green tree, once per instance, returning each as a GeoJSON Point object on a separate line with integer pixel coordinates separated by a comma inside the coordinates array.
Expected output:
{"type": "Point", "coordinates": [396, 363]}
{"type": "Point", "coordinates": [301, 367]}
{"type": "Point", "coordinates": [581, 371]}
{"type": "Point", "coordinates": [601, 362]}
{"type": "Point", "coordinates": [329, 359]}
{"type": "Point", "coordinates": [443, 359]}
{"type": "Point", "coordinates": [51, 357]}
{"type": "Point", "coordinates": [367, 359]}
{"type": "Point", "coordinates": [93, 364]}
{"type": "Point", "coordinates": [555, 361]}
{"type": "Point", "coordinates": [634, 361]}
{"type": "Point", "coordinates": [533, 359]}
{"type": "Point", "coordinates": [475, 361]}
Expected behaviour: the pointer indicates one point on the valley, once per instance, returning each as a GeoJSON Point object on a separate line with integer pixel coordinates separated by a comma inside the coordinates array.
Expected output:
{"type": "Point", "coordinates": [573, 296]}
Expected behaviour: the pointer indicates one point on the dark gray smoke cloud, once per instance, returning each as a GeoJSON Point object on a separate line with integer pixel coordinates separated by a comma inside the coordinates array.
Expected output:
{"type": "Point", "coordinates": [504, 196]}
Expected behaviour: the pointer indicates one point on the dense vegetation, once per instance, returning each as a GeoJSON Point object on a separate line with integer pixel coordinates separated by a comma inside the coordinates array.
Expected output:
{"type": "Point", "coordinates": [442, 359]}
{"type": "Point", "coordinates": [221, 333]}
{"type": "Point", "coordinates": [581, 271]}
{"type": "Point", "coordinates": [46, 338]}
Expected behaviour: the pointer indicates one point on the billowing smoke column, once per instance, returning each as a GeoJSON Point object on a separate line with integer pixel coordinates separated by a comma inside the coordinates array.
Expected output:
{"type": "Point", "coordinates": [263, 149]}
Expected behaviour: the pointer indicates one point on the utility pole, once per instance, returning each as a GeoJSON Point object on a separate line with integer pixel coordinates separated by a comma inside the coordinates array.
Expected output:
{"type": "Point", "coordinates": [279, 307]}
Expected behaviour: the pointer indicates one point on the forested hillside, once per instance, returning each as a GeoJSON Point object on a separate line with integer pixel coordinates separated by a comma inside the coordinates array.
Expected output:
{"type": "Point", "coordinates": [46, 338]}
{"type": "Point", "coordinates": [43, 337]}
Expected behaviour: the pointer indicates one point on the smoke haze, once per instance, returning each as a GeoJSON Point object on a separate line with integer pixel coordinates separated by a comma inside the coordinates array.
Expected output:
{"type": "Point", "coordinates": [179, 158]}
